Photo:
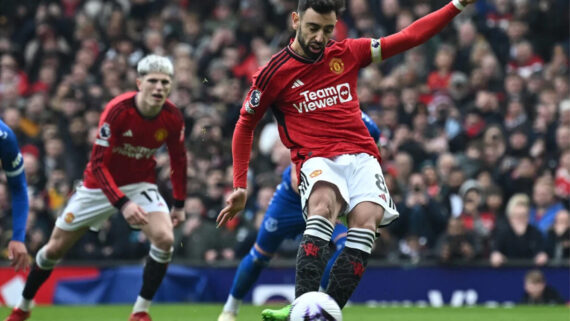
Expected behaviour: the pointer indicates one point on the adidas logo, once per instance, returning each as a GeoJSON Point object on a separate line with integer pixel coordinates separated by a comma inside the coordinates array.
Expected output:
{"type": "Point", "coordinates": [128, 133]}
{"type": "Point", "coordinates": [297, 83]}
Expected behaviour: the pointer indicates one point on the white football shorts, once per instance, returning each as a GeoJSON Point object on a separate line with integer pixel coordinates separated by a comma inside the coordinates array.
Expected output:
{"type": "Point", "coordinates": [358, 177]}
{"type": "Point", "coordinates": [90, 207]}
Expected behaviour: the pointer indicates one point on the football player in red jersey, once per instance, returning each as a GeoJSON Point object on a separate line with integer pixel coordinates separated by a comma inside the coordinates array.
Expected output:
{"type": "Point", "coordinates": [311, 87]}
{"type": "Point", "coordinates": [120, 176]}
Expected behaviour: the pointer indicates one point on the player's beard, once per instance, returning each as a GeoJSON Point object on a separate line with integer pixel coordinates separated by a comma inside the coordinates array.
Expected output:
{"type": "Point", "coordinates": [306, 48]}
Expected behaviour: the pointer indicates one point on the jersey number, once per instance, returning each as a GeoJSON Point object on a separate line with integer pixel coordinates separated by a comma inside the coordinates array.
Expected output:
{"type": "Point", "coordinates": [381, 183]}
{"type": "Point", "coordinates": [147, 196]}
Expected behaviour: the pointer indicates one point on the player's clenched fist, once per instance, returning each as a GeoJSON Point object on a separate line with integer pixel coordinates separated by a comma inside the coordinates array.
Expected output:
{"type": "Point", "coordinates": [177, 215]}
{"type": "Point", "coordinates": [134, 214]}
{"type": "Point", "coordinates": [235, 203]}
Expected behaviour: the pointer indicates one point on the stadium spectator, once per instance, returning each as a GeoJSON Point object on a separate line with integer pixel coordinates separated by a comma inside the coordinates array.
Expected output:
{"type": "Point", "coordinates": [457, 244]}
{"type": "Point", "coordinates": [472, 218]}
{"type": "Point", "coordinates": [546, 207]}
{"type": "Point", "coordinates": [424, 215]}
{"type": "Point", "coordinates": [200, 239]}
{"type": "Point", "coordinates": [519, 239]}
{"type": "Point", "coordinates": [558, 237]}
{"type": "Point", "coordinates": [537, 292]}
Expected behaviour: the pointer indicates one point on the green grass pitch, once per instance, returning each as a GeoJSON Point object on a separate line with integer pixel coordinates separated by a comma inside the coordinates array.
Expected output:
{"type": "Point", "coordinates": [209, 312]}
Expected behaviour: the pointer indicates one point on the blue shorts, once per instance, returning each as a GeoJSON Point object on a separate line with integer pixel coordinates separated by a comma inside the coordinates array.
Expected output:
{"type": "Point", "coordinates": [284, 219]}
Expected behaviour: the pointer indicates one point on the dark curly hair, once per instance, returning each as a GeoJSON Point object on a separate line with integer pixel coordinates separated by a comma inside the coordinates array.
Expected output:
{"type": "Point", "coordinates": [321, 6]}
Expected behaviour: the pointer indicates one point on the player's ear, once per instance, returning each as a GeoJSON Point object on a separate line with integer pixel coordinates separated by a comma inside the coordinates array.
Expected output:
{"type": "Point", "coordinates": [296, 19]}
{"type": "Point", "coordinates": [139, 81]}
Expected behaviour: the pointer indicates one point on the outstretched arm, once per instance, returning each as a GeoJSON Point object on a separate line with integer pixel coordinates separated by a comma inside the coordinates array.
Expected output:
{"type": "Point", "coordinates": [422, 29]}
{"type": "Point", "coordinates": [253, 108]}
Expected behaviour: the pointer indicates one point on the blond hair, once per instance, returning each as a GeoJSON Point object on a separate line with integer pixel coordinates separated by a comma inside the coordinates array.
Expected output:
{"type": "Point", "coordinates": [155, 63]}
{"type": "Point", "coordinates": [517, 200]}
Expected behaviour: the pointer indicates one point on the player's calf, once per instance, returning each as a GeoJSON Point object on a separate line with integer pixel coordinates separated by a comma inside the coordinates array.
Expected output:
{"type": "Point", "coordinates": [350, 264]}
{"type": "Point", "coordinates": [313, 254]}
{"type": "Point", "coordinates": [154, 271]}
{"type": "Point", "coordinates": [39, 273]}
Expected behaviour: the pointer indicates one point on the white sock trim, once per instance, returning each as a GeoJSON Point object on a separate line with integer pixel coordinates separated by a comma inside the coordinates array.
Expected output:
{"type": "Point", "coordinates": [458, 5]}
{"type": "Point", "coordinates": [25, 304]}
{"type": "Point", "coordinates": [159, 255]}
{"type": "Point", "coordinates": [232, 304]}
{"type": "Point", "coordinates": [141, 305]}
{"type": "Point", "coordinates": [361, 239]}
{"type": "Point", "coordinates": [43, 262]}
{"type": "Point", "coordinates": [320, 227]}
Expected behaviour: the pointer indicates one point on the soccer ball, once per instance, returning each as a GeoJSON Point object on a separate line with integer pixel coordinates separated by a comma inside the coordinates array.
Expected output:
{"type": "Point", "coordinates": [315, 306]}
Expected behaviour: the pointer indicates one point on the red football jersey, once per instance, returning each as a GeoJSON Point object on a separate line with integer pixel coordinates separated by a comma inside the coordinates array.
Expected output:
{"type": "Point", "coordinates": [315, 101]}
{"type": "Point", "coordinates": [124, 150]}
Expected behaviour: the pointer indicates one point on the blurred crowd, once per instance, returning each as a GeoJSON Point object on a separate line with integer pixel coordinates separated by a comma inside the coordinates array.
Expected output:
{"type": "Point", "coordinates": [475, 123]}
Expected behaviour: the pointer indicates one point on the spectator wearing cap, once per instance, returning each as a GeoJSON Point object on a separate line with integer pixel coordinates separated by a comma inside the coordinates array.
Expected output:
{"type": "Point", "coordinates": [459, 89]}
{"type": "Point", "coordinates": [473, 219]}
{"type": "Point", "coordinates": [543, 213]}
{"type": "Point", "coordinates": [519, 239]}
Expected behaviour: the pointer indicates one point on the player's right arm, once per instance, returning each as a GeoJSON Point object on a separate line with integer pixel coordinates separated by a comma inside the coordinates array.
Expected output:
{"type": "Point", "coordinates": [258, 99]}
{"type": "Point", "coordinates": [100, 157]}
{"type": "Point", "coordinates": [421, 30]}
{"type": "Point", "coordinates": [13, 166]}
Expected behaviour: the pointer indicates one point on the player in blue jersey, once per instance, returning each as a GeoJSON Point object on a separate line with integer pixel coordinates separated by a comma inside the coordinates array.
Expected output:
{"type": "Point", "coordinates": [283, 219]}
{"type": "Point", "coordinates": [13, 166]}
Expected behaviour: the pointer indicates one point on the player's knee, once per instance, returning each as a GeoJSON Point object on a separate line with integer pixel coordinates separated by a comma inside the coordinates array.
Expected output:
{"type": "Point", "coordinates": [160, 255]}
{"type": "Point", "coordinates": [324, 201]}
{"type": "Point", "coordinates": [259, 258]}
{"type": "Point", "coordinates": [164, 241]}
{"type": "Point", "coordinates": [323, 209]}
{"type": "Point", "coordinates": [53, 250]}
{"type": "Point", "coordinates": [366, 215]}
{"type": "Point", "coordinates": [45, 260]}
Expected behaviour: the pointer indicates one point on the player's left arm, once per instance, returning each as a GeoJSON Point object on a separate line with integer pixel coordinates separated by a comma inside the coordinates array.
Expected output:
{"type": "Point", "coordinates": [253, 108]}
{"type": "Point", "coordinates": [421, 30]}
{"type": "Point", "coordinates": [13, 165]}
{"type": "Point", "coordinates": [177, 152]}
